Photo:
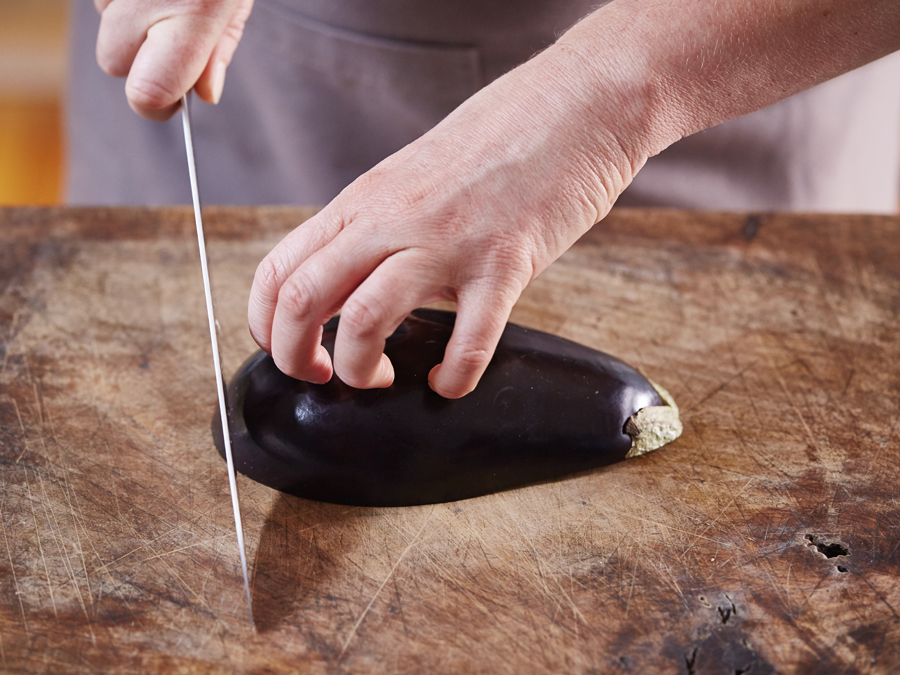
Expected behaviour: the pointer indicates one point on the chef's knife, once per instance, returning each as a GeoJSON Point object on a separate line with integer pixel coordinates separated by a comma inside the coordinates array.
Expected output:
{"type": "Point", "coordinates": [217, 361]}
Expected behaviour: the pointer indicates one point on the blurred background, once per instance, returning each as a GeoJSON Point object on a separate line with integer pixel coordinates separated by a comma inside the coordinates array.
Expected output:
{"type": "Point", "coordinates": [32, 83]}
{"type": "Point", "coordinates": [33, 65]}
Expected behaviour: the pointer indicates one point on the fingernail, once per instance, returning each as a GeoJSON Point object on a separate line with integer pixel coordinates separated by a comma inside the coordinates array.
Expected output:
{"type": "Point", "coordinates": [218, 81]}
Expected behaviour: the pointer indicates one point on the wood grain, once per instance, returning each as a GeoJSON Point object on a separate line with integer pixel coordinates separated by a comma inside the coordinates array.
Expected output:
{"type": "Point", "coordinates": [767, 538]}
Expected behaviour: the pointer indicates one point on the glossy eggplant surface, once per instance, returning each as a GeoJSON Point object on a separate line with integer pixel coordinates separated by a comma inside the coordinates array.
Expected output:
{"type": "Point", "coordinates": [545, 407]}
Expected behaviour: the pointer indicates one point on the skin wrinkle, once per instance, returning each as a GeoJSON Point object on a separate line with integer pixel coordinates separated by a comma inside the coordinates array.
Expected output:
{"type": "Point", "coordinates": [631, 89]}
{"type": "Point", "coordinates": [124, 61]}
{"type": "Point", "coordinates": [507, 182]}
{"type": "Point", "coordinates": [193, 36]}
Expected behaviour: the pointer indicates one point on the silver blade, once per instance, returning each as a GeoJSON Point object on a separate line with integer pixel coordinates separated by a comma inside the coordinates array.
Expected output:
{"type": "Point", "coordinates": [217, 361]}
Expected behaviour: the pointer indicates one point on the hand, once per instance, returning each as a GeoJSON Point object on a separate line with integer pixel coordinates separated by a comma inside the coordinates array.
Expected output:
{"type": "Point", "coordinates": [166, 47]}
{"type": "Point", "coordinates": [471, 212]}
{"type": "Point", "coordinates": [480, 205]}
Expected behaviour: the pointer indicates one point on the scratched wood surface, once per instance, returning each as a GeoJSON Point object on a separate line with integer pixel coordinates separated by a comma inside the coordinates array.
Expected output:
{"type": "Point", "coordinates": [766, 539]}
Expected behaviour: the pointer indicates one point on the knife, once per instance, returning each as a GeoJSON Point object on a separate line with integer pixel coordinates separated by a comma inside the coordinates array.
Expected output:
{"type": "Point", "coordinates": [217, 360]}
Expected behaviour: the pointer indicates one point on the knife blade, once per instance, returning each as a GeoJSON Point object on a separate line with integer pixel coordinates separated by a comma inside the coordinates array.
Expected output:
{"type": "Point", "coordinates": [213, 337]}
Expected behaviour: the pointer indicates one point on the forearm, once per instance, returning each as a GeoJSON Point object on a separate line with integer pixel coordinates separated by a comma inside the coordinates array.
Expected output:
{"type": "Point", "coordinates": [481, 204]}
{"type": "Point", "coordinates": [675, 67]}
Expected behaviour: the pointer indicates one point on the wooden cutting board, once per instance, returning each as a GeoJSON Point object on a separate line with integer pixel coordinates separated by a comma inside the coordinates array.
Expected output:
{"type": "Point", "coordinates": [767, 537]}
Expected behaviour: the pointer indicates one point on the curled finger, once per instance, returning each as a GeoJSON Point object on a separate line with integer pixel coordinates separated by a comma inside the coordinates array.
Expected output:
{"type": "Point", "coordinates": [372, 313]}
{"type": "Point", "coordinates": [211, 82]}
{"type": "Point", "coordinates": [123, 29]}
{"type": "Point", "coordinates": [281, 262]}
{"type": "Point", "coordinates": [308, 298]}
{"type": "Point", "coordinates": [480, 320]}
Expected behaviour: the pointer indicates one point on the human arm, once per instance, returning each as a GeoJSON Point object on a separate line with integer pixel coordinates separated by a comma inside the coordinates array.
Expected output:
{"type": "Point", "coordinates": [479, 206]}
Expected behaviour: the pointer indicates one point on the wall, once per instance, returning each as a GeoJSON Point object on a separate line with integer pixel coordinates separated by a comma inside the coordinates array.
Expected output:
{"type": "Point", "coordinates": [32, 82]}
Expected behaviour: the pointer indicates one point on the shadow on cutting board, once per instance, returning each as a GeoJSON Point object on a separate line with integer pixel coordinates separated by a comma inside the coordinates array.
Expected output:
{"type": "Point", "coordinates": [297, 557]}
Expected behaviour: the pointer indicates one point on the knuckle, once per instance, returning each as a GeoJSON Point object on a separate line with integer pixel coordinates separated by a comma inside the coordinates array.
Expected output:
{"type": "Point", "coordinates": [102, 5]}
{"type": "Point", "coordinates": [376, 197]}
{"type": "Point", "coordinates": [109, 64]}
{"type": "Point", "coordinates": [366, 183]}
{"type": "Point", "coordinates": [508, 252]}
{"type": "Point", "coordinates": [148, 94]}
{"type": "Point", "coordinates": [471, 356]}
{"type": "Point", "coordinates": [269, 276]}
{"type": "Point", "coordinates": [108, 52]}
{"type": "Point", "coordinates": [411, 198]}
{"type": "Point", "coordinates": [502, 276]}
{"type": "Point", "coordinates": [297, 295]}
{"type": "Point", "coordinates": [234, 33]}
{"type": "Point", "coordinates": [360, 320]}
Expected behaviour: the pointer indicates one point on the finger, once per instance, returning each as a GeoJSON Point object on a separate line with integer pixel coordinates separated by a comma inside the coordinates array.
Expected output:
{"type": "Point", "coordinates": [168, 63]}
{"type": "Point", "coordinates": [123, 29]}
{"type": "Point", "coordinates": [281, 263]}
{"type": "Point", "coordinates": [372, 313]}
{"type": "Point", "coordinates": [308, 298]}
{"type": "Point", "coordinates": [480, 321]}
{"type": "Point", "coordinates": [212, 81]}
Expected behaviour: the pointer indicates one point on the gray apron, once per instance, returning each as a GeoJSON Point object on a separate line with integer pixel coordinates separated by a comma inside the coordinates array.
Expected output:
{"type": "Point", "coordinates": [322, 90]}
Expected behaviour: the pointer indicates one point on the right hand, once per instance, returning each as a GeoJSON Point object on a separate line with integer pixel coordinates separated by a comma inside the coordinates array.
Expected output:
{"type": "Point", "coordinates": [167, 47]}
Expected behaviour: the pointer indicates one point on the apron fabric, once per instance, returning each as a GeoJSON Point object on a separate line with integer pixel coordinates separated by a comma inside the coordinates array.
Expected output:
{"type": "Point", "coordinates": [320, 91]}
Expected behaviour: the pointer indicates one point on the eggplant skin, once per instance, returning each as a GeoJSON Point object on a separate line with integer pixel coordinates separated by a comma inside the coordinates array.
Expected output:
{"type": "Point", "coordinates": [545, 407]}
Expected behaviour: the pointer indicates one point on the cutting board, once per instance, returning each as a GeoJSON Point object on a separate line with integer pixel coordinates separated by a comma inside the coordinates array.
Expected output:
{"type": "Point", "coordinates": [767, 538]}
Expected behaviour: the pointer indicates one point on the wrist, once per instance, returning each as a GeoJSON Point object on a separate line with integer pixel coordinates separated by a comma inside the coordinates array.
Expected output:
{"type": "Point", "coordinates": [624, 101]}
{"type": "Point", "coordinates": [675, 68]}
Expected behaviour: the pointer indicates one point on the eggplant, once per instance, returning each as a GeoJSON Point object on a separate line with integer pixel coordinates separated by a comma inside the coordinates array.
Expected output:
{"type": "Point", "coordinates": [546, 407]}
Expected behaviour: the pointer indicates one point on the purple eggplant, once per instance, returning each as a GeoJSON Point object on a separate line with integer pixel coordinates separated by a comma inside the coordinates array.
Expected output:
{"type": "Point", "coordinates": [546, 407]}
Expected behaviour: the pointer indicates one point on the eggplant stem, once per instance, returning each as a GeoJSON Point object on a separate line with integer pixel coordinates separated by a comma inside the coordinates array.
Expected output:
{"type": "Point", "coordinates": [654, 426]}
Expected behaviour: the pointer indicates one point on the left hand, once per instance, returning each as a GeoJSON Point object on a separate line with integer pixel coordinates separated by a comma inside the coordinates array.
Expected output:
{"type": "Point", "coordinates": [471, 212]}
{"type": "Point", "coordinates": [480, 205]}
